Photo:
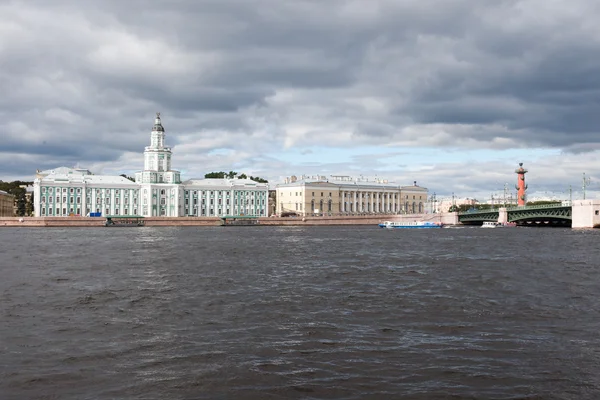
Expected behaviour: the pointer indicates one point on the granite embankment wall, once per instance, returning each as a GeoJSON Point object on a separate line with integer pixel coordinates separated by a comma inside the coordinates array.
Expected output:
{"type": "Point", "coordinates": [99, 221]}
{"type": "Point", "coordinates": [446, 218]}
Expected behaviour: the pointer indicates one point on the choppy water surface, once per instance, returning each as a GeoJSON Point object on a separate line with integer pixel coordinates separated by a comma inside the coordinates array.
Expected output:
{"type": "Point", "coordinates": [299, 312]}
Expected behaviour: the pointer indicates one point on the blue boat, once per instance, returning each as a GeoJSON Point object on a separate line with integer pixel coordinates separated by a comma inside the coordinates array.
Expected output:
{"type": "Point", "coordinates": [410, 224]}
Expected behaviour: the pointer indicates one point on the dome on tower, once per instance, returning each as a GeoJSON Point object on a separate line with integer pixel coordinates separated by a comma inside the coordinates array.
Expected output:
{"type": "Point", "coordinates": [158, 124]}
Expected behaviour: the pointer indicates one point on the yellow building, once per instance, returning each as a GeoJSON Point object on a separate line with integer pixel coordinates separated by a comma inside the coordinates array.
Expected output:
{"type": "Point", "coordinates": [344, 195]}
{"type": "Point", "coordinates": [7, 202]}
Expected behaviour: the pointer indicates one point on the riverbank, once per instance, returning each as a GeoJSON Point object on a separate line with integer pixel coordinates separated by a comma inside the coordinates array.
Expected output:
{"type": "Point", "coordinates": [446, 218]}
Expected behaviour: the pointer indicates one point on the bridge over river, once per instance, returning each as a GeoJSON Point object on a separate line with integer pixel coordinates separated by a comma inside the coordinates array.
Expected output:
{"type": "Point", "coordinates": [558, 215]}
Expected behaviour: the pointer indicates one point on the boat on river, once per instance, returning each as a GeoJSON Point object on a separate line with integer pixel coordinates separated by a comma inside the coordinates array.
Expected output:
{"type": "Point", "coordinates": [124, 221]}
{"type": "Point", "coordinates": [410, 224]}
{"type": "Point", "coordinates": [491, 224]}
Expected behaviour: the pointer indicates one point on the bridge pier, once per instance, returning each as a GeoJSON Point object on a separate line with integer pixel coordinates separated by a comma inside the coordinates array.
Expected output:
{"type": "Point", "coordinates": [502, 215]}
{"type": "Point", "coordinates": [586, 214]}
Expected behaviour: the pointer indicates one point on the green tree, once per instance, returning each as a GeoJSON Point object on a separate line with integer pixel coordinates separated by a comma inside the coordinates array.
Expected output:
{"type": "Point", "coordinates": [233, 175]}
{"type": "Point", "coordinates": [128, 177]}
{"type": "Point", "coordinates": [217, 175]}
{"type": "Point", "coordinates": [258, 179]}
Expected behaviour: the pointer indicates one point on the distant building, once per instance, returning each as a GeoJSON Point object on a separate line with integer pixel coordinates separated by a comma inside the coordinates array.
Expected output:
{"type": "Point", "coordinates": [7, 202]}
{"type": "Point", "coordinates": [340, 195]}
{"type": "Point", "coordinates": [157, 190]}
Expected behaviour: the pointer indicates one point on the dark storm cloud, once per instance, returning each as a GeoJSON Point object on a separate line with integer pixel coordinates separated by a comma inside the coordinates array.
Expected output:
{"type": "Point", "coordinates": [82, 80]}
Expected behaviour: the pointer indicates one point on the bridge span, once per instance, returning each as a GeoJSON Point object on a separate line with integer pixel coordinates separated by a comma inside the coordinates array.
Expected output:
{"type": "Point", "coordinates": [579, 214]}
{"type": "Point", "coordinates": [544, 215]}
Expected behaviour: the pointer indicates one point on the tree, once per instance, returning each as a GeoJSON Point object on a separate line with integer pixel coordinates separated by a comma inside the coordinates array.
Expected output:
{"type": "Point", "coordinates": [128, 177]}
{"type": "Point", "coordinates": [258, 179]}
{"type": "Point", "coordinates": [233, 175]}
{"type": "Point", "coordinates": [24, 205]}
{"type": "Point", "coordinates": [215, 175]}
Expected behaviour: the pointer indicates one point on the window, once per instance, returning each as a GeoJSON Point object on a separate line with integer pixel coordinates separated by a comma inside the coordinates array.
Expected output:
{"type": "Point", "coordinates": [321, 194]}
{"type": "Point", "coordinates": [329, 194]}
{"type": "Point", "coordinates": [313, 194]}
{"type": "Point", "coordinates": [43, 211]}
{"type": "Point", "coordinates": [43, 199]}
{"type": "Point", "coordinates": [71, 190]}
{"type": "Point", "coordinates": [98, 200]}
{"type": "Point", "coordinates": [163, 202]}
{"type": "Point", "coordinates": [126, 211]}
{"type": "Point", "coordinates": [71, 200]}
{"type": "Point", "coordinates": [107, 211]}
{"type": "Point", "coordinates": [64, 190]}
{"type": "Point", "coordinates": [64, 211]}
{"type": "Point", "coordinates": [64, 199]}
{"type": "Point", "coordinates": [107, 200]}
{"type": "Point", "coordinates": [78, 200]}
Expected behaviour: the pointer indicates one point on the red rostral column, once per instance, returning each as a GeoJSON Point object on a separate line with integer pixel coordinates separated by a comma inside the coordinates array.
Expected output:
{"type": "Point", "coordinates": [521, 186]}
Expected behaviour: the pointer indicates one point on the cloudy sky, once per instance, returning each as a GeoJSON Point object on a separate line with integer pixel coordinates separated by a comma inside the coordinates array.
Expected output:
{"type": "Point", "coordinates": [450, 93]}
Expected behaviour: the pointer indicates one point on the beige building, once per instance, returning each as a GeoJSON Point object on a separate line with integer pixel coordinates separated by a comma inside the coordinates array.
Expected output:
{"type": "Point", "coordinates": [7, 202]}
{"type": "Point", "coordinates": [344, 195]}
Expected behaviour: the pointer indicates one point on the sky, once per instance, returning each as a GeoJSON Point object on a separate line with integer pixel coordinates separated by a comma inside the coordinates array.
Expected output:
{"type": "Point", "coordinates": [453, 94]}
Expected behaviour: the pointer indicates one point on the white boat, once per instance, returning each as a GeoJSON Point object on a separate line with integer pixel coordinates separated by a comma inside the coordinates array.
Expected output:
{"type": "Point", "coordinates": [410, 224]}
{"type": "Point", "coordinates": [490, 224]}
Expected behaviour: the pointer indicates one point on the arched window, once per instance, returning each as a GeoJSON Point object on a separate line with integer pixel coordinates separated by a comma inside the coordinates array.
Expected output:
{"type": "Point", "coordinates": [414, 207]}
{"type": "Point", "coordinates": [420, 208]}
{"type": "Point", "coordinates": [321, 206]}
{"type": "Point", "coordinates": [329, 206]}
{"type": "Point", "coordinates": [162, 192]}
{"type": "Point", "coordinates": [312, 206]}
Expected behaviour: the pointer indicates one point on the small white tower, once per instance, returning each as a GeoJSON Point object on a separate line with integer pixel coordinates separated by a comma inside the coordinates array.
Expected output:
{"type": "Point", "coordinates": [157, 159]}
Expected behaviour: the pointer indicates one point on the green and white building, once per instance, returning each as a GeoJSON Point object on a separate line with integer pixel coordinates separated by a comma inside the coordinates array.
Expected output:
{"type": "Point", "coordinates": [157, 190]}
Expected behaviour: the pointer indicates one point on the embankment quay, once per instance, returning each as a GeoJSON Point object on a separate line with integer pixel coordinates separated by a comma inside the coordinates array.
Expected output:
{"type": "Point", "coordinates": [579, 214]}
{"type": "Point", "coordinates": [445, 218]}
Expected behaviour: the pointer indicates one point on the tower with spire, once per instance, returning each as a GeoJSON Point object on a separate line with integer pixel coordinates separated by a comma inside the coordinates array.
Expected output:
{"type": "Point", "coordinates": [157, 159]}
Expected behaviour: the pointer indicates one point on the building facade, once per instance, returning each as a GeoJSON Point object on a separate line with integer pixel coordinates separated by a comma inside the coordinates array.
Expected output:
{"type": "Point", "coordinates": [340, 195]}
{"type": "Point", "coordinates": [7, 202]}
{"type": "Point", "coordinates": [157, 190]}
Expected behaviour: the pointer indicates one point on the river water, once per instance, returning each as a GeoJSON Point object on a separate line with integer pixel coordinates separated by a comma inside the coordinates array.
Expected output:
{"type": "Point", "coordinates": [299, 312]}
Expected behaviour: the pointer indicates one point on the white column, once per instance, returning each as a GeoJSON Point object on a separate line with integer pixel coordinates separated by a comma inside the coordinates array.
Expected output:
{"type": "Point", "coordinates": [36, 197]}
{"type": "Point", "coordinates": [373, 201]}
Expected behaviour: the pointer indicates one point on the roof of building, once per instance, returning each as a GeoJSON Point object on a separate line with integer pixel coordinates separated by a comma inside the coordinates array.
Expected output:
{"type": "Point", "coordinates": [208, 182]}
{"type": "Point", "coordinates": [88, 179]}
{"type": "Point", "coordinates": [65, 171]}
{"type": "Point", "coordinates": [384, 184]}
{"type": "Point", "coordinates": [2, 192]}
